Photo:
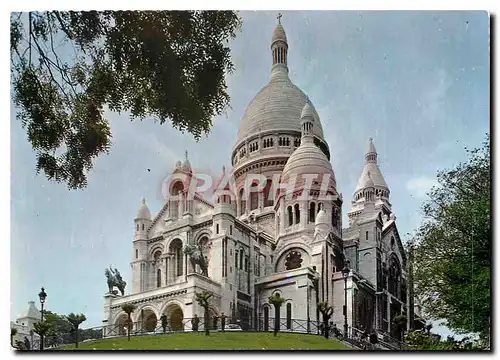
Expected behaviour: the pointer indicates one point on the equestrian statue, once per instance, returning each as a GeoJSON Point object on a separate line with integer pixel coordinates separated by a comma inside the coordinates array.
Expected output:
{"type": "Point", "coordinates": [114, 278]}
{"type": "Point", "coordinates": [197, 257]}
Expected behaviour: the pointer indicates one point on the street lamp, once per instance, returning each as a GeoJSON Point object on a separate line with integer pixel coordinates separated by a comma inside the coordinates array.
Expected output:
{"type": "Point", "coordinates": [345, 274]}
{"type": "Point", "coordinates": [42, 295]}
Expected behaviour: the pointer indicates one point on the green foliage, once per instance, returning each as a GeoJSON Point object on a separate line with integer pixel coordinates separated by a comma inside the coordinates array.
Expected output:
{"type": "Point", "coordinates": [453, 247]}
{"type": "Point", "coordinates": [69, 67]}
{"type": "Point", "coordinates": [75, 321]}
{"type": "Point", "coordinates": [13, 332]}
{"type": "Point", "coordinates": [129, 309]}
{"type": "Point", "coordinates": [421, 340]}
{"type": "Point", "coordinates": [276, 300]}
{"type": "Point", "coordinates": [41, 328]}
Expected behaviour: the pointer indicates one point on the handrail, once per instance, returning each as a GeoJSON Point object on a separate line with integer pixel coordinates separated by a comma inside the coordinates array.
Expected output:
{"type": "Point", "coordinates": [141, 328]}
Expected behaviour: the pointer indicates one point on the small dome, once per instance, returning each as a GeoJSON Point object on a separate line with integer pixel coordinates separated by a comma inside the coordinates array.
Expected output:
{"type": "Point", "coordinates": [321, 218]}
{"type": "Point", "coordinates": [279, 34]}
{"type": "Point", "coordinates": [308, 159]}
{"type": "Point", "coordinates": [178, 164]}
{"type": "Point", "coordinates": [144, 211]}
{"type": "Point", "coordinates": [307, 111]}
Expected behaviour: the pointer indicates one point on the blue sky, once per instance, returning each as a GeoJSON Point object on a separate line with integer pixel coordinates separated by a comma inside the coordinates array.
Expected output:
{"type": "Point", "coordinates": [417, 82]}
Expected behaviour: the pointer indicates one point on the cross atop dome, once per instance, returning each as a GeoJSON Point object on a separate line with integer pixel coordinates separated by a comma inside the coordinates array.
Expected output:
{"type": "Point", "coordinates": [280, 15]}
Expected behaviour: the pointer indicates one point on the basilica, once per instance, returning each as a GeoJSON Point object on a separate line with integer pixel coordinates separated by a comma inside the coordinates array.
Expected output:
{"type": "Point", "coordinates": [255, 240]}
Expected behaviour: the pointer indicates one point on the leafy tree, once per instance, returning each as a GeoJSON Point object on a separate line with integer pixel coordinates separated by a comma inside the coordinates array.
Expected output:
{"type": "Point", "coordinates": [164, 322]}
{"type": "Point", "coordinates": [400, 321]}
{"type": "Point", "coordinates": [203, 300]}
{"type": "Point", "coordinates": [453, 247]}
{"type": "Point", "coordinates": [13, 332]}
{"type": "Point", "coordinates": [327, 312]}
{"type": "Point", "coordinates": [42, 329]}
{"type": "Point", "coordinates": [75, 321]}
{"type": "Point", "coordinates": [69, 67]}
{"type": "Point", "coordinates": [129, 309]}
{"type": "Point", "coordinates": [276, 300]}
{"type": "Point", "coordinates": [60, 329]}
{"type": "Point", "coordinates": [421, 340]}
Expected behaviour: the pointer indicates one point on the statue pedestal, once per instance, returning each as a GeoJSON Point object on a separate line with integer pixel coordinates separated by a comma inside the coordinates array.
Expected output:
{"type": "Point", "coordinates": [107, 321]}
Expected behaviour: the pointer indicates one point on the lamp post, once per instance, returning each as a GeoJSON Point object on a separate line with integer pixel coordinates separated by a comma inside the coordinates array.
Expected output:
{"type": "Point", "coordinates": [345, 274]}
{"type": "Point", "coordinates": [42, 295]}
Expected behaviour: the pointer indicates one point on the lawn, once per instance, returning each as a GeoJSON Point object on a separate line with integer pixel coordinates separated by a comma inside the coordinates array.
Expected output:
{"type": "Point", "coordinates": [216, 341]}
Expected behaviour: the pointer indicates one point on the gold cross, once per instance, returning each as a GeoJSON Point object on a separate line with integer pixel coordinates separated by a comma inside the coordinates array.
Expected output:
{"type": "Point", "coordinates": [279, 18]}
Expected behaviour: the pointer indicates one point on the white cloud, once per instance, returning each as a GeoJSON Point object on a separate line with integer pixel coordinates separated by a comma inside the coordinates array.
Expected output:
{"type": "Point", "coordinates": [420, 186]}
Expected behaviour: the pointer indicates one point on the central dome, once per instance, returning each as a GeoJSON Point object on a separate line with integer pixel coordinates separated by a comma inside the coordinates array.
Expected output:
{"type": "Point", "coordinates": [277, 106]}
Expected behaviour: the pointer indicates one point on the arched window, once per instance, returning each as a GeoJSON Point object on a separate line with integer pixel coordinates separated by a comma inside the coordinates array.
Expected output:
{"type": "Point", "coordinates": [393, 243]}
{"type": "Point", "coordinates": [394, 276]}
{"type": "Point", "coordinates": [137, 227]}
{"type": "Point", "coordinates": [266, 318]}
{"type": "Point", "coordinates": [156, 255]}
{"type": "Point", "coordinates": [136, 253]}
{"type": "Point", "coordinates": [293, 260]}
{"type": "Point", "coordinates": [243, 202]}
{"type": "Point", "coordinates": [254, 197]}
{"type": "Point", "coordinates": [241, 259]}
{"type": "Point", "coordinates": [158, 278]}
{"type": "Point", "coordinates": [142, 226]}
{"type": "Point", "coordinates": [268, 194]}
{"type": "Point", "coordinates": [176, 249]}
{"type": "Point", "coordinates": [289, 316]}
{"type": "Point", "coordinates": [297, 214]}
{"type": "Point", "coordinates": [290, 216]}
{"type": "Point", "coordinates": [216, 228]}
{"type": "Point", "coordinates": [320, 207]}
{"type": "Point", "coordinates": [312, 212]}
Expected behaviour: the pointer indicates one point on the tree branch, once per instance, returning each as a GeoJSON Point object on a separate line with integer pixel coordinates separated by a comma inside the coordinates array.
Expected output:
{"type": "Point", "coordinates": [29, 37]}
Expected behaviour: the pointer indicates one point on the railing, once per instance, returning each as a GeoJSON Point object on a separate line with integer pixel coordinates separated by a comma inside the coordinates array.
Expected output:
{"type": "Point", "coordinates": [140, 328]}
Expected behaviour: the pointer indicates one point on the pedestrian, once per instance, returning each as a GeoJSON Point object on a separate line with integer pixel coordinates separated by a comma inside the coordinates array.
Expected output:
{"type": "Point", "coordinates": [195, 322]}
{"type": "Point", "coordinates": [222, 321]}
{"type": "Point", "coordinates": [215, 319]}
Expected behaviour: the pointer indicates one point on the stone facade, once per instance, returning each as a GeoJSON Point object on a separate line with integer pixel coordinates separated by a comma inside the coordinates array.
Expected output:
{"type": "Point", "coordinates": [270, 240]}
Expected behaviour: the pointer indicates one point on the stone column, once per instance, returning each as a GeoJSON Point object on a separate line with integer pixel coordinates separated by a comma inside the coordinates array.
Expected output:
{"type": "Point", "coordinates": [181, 205]}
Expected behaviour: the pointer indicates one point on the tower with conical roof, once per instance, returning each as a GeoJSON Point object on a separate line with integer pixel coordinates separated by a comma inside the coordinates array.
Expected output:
{"type": "Point", "coordinates": [371, 193]}
{"type": "Point", "coordinates": [139, 258]}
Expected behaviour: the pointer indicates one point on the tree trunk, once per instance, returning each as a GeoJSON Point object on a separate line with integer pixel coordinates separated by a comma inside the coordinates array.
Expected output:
{"type": "Point", "coordinates": [276, 319]}
{"type": "Point", "coordinates": [128, 327]}
{"type": "Point", "coordinates": [206, 316]}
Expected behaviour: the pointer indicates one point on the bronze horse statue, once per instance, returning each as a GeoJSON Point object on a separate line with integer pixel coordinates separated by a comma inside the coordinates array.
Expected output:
{"type": "Point", "coordinates": [114, 278]}
{"type": "Point", "coordinates": [197, 257]}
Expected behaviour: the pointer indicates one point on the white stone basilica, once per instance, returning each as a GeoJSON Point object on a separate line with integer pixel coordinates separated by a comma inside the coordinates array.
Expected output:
{"type": "Point", "coordinates": [258, 244]}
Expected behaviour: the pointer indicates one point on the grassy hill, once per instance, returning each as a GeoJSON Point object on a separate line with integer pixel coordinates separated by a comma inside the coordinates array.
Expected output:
{"type": "Point", "coordinates": [216, 341]}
